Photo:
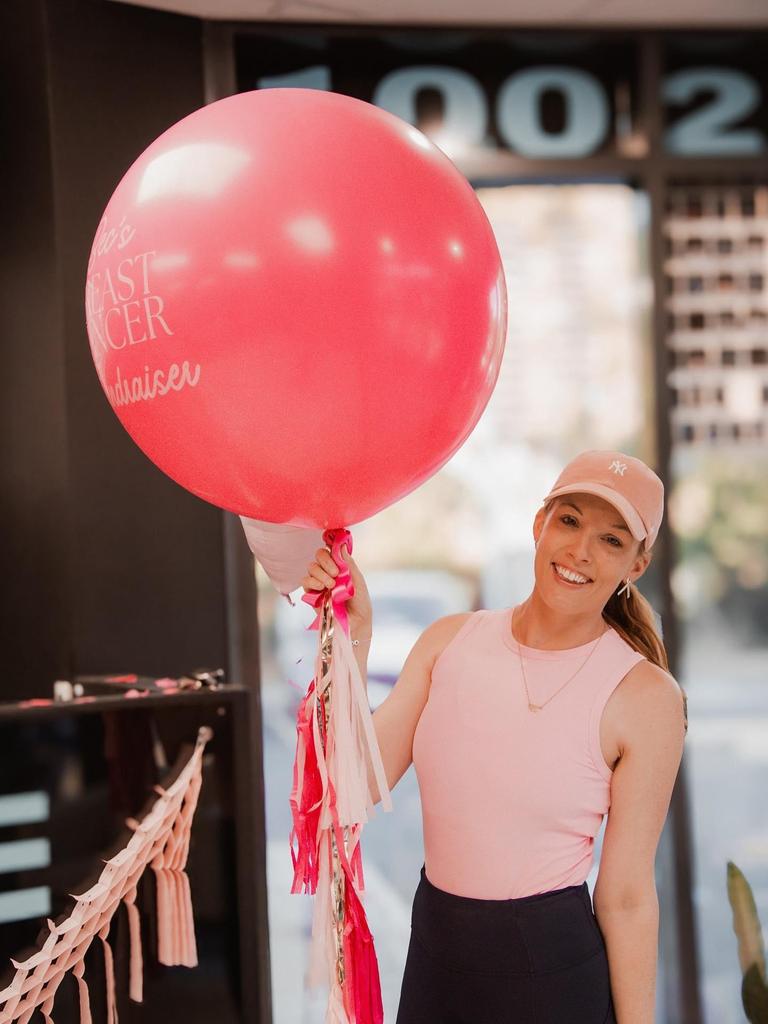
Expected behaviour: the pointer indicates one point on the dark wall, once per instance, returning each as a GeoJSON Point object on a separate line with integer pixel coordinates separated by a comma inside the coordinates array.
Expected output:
{"type": "Point", "coordinates": [34, 613]}
{"type": "Point", "coordinates": [109, 564]}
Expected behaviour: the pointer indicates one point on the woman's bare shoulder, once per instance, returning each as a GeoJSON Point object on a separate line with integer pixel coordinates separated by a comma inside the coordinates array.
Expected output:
{"type": "Point", "coordinates": [646, 677]}
{"type": "Point", "coordinates": [440, 633]}
{"type": "Point", "coordinates": [648, 694]}
{"type": "Point", "coordinates": [448, 625]}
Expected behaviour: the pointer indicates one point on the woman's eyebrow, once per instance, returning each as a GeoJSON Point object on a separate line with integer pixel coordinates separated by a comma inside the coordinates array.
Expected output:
{"type": "Point", "coordinates": [616, 526]}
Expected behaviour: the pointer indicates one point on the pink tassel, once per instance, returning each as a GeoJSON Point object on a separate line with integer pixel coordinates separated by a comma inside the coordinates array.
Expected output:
{"type": "Point", "coordinates": [356, 861]}
{"type": "Point", "coordinates": [362, 986]}
{"type": "Point", "coordinates": [306, 798]}
{"type": "Point", "coordinates": [321, 952]}
{"type": "Point", "coordinates": [179, 930]}
{"type": "Point", "coordinates": [135, 978]}
{"type": "Point", "coordinates": [189, 951]}
{"type": "Point", "coordinates": [85, 1002]}
{"type": "Point", "coordinates": [163, 911]}
{"type": "Point", "coordinates": [109, 971]}
{"type": "Point", "coordinates": [330, 796]}
{"type": "Point", "coordinates": [46, 1008]}
{"type": "Point", "coordinates": [176, 945]}
{"type": "Point", "coordinates": [24, 1018]}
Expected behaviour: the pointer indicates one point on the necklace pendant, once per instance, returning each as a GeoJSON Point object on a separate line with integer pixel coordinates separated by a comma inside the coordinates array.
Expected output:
{"type": "Point", "coordinates": [534, 707]}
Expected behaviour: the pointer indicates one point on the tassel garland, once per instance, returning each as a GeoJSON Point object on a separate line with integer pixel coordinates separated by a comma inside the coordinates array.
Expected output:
{"type": "Point", "coordinates": [330, 802]}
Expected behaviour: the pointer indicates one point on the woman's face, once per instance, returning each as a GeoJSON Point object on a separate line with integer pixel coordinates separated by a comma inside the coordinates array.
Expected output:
{"type": "Point", "coordinates": [586, 535]}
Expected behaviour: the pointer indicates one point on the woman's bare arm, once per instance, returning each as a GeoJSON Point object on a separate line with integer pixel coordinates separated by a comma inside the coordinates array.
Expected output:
{"type": "Point", "coordinates": [396, 718]}
{"type": "Point", "coordinates": [651, 739]}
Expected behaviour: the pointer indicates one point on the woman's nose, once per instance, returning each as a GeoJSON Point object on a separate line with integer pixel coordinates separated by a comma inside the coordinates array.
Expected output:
{"type": "Point", "coordinates": [581, 548]}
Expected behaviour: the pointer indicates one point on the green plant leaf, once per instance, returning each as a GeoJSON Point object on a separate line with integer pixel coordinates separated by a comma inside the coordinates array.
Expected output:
{"type": "Point", "coordinates": [754, 996]}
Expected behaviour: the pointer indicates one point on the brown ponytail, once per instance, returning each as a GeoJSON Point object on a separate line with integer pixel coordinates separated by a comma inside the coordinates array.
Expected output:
{"type": "Point", "coordinates": [633, 618]}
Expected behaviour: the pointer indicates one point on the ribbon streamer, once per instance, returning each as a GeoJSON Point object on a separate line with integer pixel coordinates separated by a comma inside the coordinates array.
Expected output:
{"type": "Point", "coordinates": [330, 802]}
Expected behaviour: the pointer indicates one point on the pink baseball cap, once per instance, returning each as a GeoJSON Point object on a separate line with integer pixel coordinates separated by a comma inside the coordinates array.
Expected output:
{"type": "Point", "coordinates": [624, 481]}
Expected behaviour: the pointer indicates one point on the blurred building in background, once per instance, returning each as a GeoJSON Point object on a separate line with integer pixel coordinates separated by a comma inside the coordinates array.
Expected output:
{"type": "Point", "coordinates": [717, 304]}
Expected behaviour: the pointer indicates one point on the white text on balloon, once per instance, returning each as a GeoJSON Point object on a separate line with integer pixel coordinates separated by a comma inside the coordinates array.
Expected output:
{"type": "Point", "coordinates": [152, 384]}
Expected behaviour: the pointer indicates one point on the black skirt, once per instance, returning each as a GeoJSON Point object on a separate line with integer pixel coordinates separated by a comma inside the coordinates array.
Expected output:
{"type": "Point", "coordinates": [534, 960]}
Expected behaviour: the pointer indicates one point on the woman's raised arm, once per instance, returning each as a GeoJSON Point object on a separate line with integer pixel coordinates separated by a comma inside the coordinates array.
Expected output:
{"type": "Point", "coordinates": [395, 719]}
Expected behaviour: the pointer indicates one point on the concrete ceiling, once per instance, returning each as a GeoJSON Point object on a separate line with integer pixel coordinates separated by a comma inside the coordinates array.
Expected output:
{"type": "Point", "coordinates": [512, 13]}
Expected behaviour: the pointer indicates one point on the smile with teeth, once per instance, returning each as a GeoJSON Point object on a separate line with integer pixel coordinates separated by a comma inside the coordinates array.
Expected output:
{"type": "Point", "coordinates": [571, 577]}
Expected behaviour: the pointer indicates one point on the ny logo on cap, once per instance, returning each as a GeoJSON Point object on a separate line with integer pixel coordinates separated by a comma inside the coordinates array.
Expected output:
{"type": "Point", "coordinates": [618, 467]}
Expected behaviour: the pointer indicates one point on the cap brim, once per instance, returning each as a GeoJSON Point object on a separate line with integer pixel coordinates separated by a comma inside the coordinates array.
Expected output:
{"type": "Point", "coordinates": [631, 517]}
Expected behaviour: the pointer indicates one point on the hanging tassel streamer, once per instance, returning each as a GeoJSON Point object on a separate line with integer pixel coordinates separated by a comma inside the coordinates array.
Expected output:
{"type": "Point", "coordinates": [160, 840]}
{"type": "Point", "coordinates": [330, 802]}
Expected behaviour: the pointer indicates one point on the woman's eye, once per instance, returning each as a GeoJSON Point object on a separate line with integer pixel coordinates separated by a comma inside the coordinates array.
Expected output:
{"type": "Point", "coordinates": [568, 519]}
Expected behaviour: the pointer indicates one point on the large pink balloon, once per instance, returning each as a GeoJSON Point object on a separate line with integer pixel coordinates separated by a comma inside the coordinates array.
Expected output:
{"type": "Point", "coordinates": [296, 307]}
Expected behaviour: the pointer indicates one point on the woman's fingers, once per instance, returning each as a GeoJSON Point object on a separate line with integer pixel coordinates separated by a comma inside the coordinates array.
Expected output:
{"type": "Point", "coordinates": [309, 583]}
{"type": "Point", "coordinates": [317, 579]}
{"type": "Point", "coordinates": [325, 559]}
{"type": "Point", "coordinates": [322, 572]}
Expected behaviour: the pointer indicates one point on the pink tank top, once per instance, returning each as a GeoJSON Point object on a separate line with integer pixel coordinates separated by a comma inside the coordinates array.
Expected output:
{"type": "Point", "coordinates": [512, 799]}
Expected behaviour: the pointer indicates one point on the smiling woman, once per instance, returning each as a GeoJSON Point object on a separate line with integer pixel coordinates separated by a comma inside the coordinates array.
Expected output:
{"type": "Point", "coordinates": [592, 547]}
{"type": "Point", "coordinates": [511, 816]}
{"type": "Point", "coordinates": [525, 726]}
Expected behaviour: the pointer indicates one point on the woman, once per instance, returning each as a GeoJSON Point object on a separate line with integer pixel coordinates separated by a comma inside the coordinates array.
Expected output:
{"type": "Point", "coordinates": [525, 725]}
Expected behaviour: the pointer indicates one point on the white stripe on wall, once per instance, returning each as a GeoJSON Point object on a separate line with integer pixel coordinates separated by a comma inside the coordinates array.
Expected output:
{"type": "Point", "coordinates": [23, 808]}
{"type": "Point", "coordinates": [25, 903]}
{"type": "Point", "coordinates": [25, 854]}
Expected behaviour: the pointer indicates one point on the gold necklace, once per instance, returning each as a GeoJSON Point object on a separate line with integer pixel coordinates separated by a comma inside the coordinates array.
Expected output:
{"type": "Point", "coordinates": [538, 707]}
